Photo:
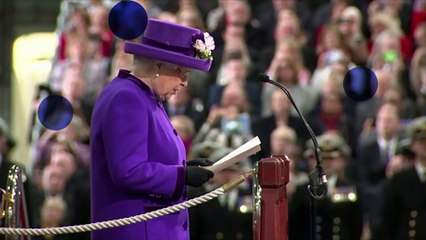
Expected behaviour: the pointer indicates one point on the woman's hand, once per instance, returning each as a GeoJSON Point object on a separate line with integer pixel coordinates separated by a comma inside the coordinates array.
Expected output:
{"type": "Point", "coordinates": [196, 176]}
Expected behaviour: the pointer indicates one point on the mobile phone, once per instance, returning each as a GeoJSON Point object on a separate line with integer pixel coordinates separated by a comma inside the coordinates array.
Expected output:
{"type": "Point", "coordinates": [390, 56]}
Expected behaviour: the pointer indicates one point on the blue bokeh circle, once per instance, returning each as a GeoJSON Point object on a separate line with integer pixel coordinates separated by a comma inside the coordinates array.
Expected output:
{"type": "Point", "coordinates": [55, 112]}
{"type": "Point", "coordinates": [128, 20]}
{"type": "Point", "coordinates": [360, 83]}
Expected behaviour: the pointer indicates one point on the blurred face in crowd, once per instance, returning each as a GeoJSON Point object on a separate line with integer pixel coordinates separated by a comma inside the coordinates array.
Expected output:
{"type": "Point", "coordinates": [286, 74]}
{"type": "Point", "coordinates": [279, 103]}
{"type": "Point", "coordinates": [378, 23]}
{"type": "Point", "coordinates": [332, 85]}
{"type": "Point", "coordinates": [235, 44]}
{"type": "Point", "coordinates": [281, 144]}
{"type": "Point", "coordinates": [283, 4]}
{"type": "Point", "coordinates": [73, 86]}
{"type": "Point", "coordinates": [233, 32]}
{"type": "Point", "coordinates": [53, 180]}
{"type": "Point", "coordinates": [237, 12]}
{"type": "Point", "coordinates": [99, 17]}
{"type": "Point", "coordinates": [331, 39]}
{"type": "Point", "coordinates": [188, 17]}
{"type": "Point", "coordinates": [350, 22]}
{"type": "Point", "coordinates": [233, 98]}
{"type": "Point", "coordinates": [77, 52]}
{"type": "Point", "coordinates": [341, 64]}
{"type": "Point", "coordinates": [236, 70]}
{"type": "Point", "coordinates": [332, 104]}
{"type": "Point", "coordinates": [68, 134]}
{"type": "Point", "coordinates": [285, 53]}
{"type": "Point", "coordinates": [419, 148]}
{"type": "Point", "coordinates": [79, 20]}
{"type": "Point", "coordinates": [167, 16]}
{"type": "Point", "coordinates": [187, 3]}
{"type": "Point", "coordinates": [65, 161]}
{"type": "Point", "coordinates": [294, 153]}
{"type": "Point", "coordinates": [387, 123]}
{"type": "Point", "coordinates": [420, 35]}
{"type": "Point", "coordinates": [388, 6]}
{"type": "Point", "coordinates": [334, 166]}
{"type": "Point", "coordinates": [52, 213]}
{"type": "Point", "coordinates": [286, 28]}
{"type": "Point", "coordinates": [346, 24]}
{"type": "Point", "coordinates": [388, 44]}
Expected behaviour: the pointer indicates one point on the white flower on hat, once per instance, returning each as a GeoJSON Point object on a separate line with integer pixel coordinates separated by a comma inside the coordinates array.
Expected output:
{"type": "Point", "coordinates": [200, 46]}
{"type": "Point", "coordinates": [204, 44]}
{"type": "Point", "coordinates": [209, 41]}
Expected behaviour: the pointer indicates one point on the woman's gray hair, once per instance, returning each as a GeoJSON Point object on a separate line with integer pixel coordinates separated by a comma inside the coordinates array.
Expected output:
{"type": "Point", "coordinates": [146, 65]}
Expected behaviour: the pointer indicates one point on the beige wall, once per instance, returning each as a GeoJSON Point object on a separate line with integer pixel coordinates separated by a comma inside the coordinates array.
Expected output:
{"type": "Point", "coordinates": [32, 54]}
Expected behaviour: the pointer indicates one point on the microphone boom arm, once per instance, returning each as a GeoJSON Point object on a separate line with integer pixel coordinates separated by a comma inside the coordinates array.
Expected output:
{"type": "Point", "coordinates": [318, 179]}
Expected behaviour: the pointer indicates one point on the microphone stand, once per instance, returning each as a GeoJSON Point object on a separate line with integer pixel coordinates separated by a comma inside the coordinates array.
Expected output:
{"type": "Point", "coordinates": [317, 187]}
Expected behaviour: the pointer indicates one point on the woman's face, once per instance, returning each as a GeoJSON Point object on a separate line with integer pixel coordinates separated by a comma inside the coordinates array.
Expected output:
{"type": "Point", "coordinates": [345, 25]}
{"type": "Point", "coordinates": [279, 103]}
{"type": "Point", "coordinates": [280, 145]}
{"type": "Point", "coordinates": [420, 36]}
{"type": "Point", "coordinates": [236, 70]}
{"type": "Point", "coordinates": [170, 81]}
{"type": "Point", "coordinates": [286, 74]}
{"type": "Point", "coordinates": [331, 40]}
{"type": "Point", "coordinates": [331, 104]}
{"type": "Point", "coordinates": [286, 29]}
{"type": "Point", "coordinates": [188, 18]}
{"type": "Point", "coordinates": [377, 26]}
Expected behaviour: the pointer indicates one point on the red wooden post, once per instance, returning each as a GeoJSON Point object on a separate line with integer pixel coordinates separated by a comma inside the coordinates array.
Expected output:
{"type": "Point", "coordinates": [273, 177]}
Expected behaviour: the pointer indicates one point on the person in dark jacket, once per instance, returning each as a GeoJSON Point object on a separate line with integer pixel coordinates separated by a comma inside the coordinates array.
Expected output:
{"type": "Point", "coordinates": [404, 208]}
{"type": "Point", "coordinates": [338, 215]}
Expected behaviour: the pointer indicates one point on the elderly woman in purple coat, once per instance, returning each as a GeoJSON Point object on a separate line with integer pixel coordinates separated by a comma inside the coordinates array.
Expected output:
{"type": "Point", "coordinates": [138, 161]}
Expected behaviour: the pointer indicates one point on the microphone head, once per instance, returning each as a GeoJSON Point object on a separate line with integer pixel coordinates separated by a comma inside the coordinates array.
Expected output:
{"type": "Point", "coordinates": [263, 77]}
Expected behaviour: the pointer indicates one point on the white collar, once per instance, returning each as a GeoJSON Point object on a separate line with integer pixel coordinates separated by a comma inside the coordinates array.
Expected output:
{"type": "Point", "coordinates": [331, 182]}
{"type": "Point", "coordinates": [392, 143]}
{"type": "Point", "coordinates": [421, 170]}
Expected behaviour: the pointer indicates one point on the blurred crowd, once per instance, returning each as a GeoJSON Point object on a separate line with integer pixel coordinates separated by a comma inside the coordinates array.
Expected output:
{"type": "Point", "coordinates": [308, 46]}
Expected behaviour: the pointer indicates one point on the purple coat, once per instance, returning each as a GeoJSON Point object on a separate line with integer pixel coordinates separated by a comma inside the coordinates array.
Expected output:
{"type": "Point", "coordinates": [137, 163]}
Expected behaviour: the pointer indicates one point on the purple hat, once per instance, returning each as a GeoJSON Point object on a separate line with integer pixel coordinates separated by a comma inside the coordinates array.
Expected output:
{"type": "Point", "coordinates": [176, 44]}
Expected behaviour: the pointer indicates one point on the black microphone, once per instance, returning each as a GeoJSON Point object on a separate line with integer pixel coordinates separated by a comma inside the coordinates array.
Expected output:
{"type": "Point", "coordinates": [318, 180]}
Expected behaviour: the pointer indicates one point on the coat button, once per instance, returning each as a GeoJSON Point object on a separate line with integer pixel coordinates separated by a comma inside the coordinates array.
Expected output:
{"type": "Point", "coordinates": [412, 233]}
{"type": "Point", "coordinates": [183, 162]}
{"type": "Point", "coordinates": [185, 225]}
{"type": "Point", "coordinates": [318, 228]}
{"type": "Point", "coordinates": [219, 235]}
{"type": "Point", "coordinates": [239, 235]}
{"type": "Point", "coordinates": [319, 219]}
{"type": "Point", "coordinates": [412, 223]}
{"type": "Point", "coordinates": [336, 229]}
{"type": "Point", "coordinates": [337, 220]}
{"type": "Point", "coordinates": [336, 237]}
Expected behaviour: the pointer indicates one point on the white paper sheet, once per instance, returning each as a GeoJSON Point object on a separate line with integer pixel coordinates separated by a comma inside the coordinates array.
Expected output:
{"type": "Point", "coordinates": [243, 152]}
